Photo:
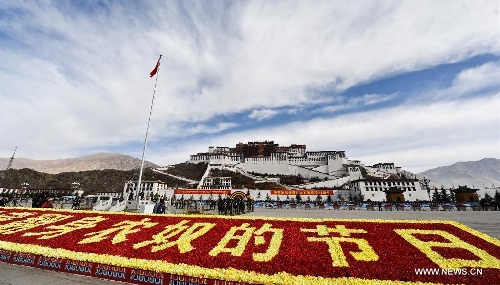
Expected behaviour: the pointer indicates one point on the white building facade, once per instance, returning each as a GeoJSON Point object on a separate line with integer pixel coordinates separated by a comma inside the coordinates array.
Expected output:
{"type": "Point", "coordinates": [147, 190]}
{"type": "Point", "coordinates": [375, 189]}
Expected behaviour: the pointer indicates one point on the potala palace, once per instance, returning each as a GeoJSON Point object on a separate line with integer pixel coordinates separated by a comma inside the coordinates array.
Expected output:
{"type": "Point", "coordinates": [379, 182]}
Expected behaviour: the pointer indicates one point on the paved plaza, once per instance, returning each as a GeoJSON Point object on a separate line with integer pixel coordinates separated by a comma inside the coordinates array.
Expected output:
{"type": "Point", "coordinates": [487, 222]}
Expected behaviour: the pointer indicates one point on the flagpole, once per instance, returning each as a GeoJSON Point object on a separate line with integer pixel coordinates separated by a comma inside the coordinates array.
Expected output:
{"type": "Point", "coordinates": [147, 133]}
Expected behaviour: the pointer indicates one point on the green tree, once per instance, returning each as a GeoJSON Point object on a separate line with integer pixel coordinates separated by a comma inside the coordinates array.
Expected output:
{"type": "Point", "coordinates": [451, 197]}
{"type": "Point", "coordinates": [444, 196]}
{"type": "Point", "coordinates": [487, 199]}
{"type": "Point", "coordinates": [300, 179]}
{"type": "Point", "coordinates": [436, 197]}
{"type": "Point", "coordinates": [360, 198]}
{"type": "Point", "coordinates": [315, 179]}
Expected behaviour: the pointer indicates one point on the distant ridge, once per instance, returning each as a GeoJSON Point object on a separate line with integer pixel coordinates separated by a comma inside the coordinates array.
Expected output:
{"type": "Point", "coordinates": [471, 173]}
{"type": "Point", "coordinates": [98, 161]}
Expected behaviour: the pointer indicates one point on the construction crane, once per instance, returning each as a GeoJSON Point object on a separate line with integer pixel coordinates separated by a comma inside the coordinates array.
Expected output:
{"type": "Point", "coordinates": [11, 160]}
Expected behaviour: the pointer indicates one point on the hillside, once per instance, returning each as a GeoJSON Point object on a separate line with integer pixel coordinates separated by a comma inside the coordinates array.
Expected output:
{"type": "Point", "coordinates": [92, 181]}
{"type": "Point", "coordinates": [98, 161]}
{"type": "Point", "coordinates": [188, 170]}
{"type": "Point", "coordinates": [195, 172]}
{"type": "Point", "coordinates": [472, 173]}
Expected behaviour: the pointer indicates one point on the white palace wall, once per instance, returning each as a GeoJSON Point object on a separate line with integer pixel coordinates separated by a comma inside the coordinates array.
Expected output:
{"type": "Point", "coordinates": [314, 166]}
{"type": "Point", "coordinates": [336, 164]}
{"type": "Point", "coordinates": [265, 165]}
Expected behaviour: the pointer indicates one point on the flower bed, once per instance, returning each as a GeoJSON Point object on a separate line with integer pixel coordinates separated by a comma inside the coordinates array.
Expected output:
{"type": "Point", "coordinates": [159, 248]}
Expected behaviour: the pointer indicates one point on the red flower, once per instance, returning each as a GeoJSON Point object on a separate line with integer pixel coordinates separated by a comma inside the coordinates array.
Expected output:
{"type": "Point", "coordinates": [229, 248]}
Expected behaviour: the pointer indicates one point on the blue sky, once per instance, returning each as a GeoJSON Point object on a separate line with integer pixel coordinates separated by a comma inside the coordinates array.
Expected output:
{"type": "Point", "coordinates": [416, 83]}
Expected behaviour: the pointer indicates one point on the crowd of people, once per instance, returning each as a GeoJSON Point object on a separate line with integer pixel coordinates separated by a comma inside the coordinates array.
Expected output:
{"type": "Point", "coordinates": [223, 206]}
{"type": "Point", "coordinates": [228, 206]}
{"type": "Point", "coordinates": [36, 202]}
{"type": "Point", "coordinates": [42, 202]}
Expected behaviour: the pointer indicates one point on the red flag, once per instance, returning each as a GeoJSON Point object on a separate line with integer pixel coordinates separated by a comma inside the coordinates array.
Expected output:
{"type": "Point", "coordinates": [152, 73]}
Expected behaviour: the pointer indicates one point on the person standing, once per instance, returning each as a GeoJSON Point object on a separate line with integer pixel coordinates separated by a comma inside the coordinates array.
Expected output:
{"type": "Point", "coordinates": [4, 201]}
{"type": "Point", "coordinates": [49, 203]}
{"type": "Point", "coordinates": [160, 207]}
{"type": "Point", "coordinates": [76, 204]}
{"type": "Point", "coordinates": [34, 202]}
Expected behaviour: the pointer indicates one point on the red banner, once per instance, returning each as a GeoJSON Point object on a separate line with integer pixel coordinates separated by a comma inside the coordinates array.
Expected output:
{"type": "Point", "coordinates": [248, 249]}
{"type": "Point", "coordinates": [302, 192]}
{"type": "Point", "coordinates": [201, 192]}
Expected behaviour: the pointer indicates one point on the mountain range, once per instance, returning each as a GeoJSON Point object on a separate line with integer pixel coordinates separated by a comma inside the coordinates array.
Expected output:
{"type": "Point", "coordinates": [475, 174]}
{"type": "Point", "coordinates": [98, 161]}
{"type": "Point", "coordinates": [478, 174]}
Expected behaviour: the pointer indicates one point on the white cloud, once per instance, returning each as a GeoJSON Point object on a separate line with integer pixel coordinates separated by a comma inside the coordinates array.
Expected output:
{"type": "Point", "coordinates": [263, 114]}
{"type": "Point", "coordinates": [205, 129]}
{"type": "Point", "coordinates": [483, 79]}
{"type": "Point", "coordinates": [478, 78]}
{"type": "Point", "coordinates": [74, 80]}
{"type": "Point", "coordinates": [414, 137]}
{"type": "Point", "coordinates": [352, 103]}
